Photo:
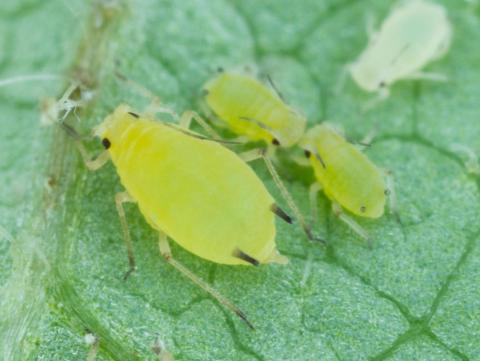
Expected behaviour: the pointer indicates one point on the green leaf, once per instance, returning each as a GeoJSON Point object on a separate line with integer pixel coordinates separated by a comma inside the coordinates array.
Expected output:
{"type": "Point", "coordinates": [413, 296]}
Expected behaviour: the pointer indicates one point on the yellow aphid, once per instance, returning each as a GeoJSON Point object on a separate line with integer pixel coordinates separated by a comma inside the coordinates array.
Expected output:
{"type": "Point", "coordinates": [198, 192]}
{"type": "Point", "coordinates": [414, 34]}
{"type": "Point", "coordinates": [345, 174]}
{"type": "Point", "coordinates": [191, 189]}
{"type": "Point", "coordinates": [252, 109]}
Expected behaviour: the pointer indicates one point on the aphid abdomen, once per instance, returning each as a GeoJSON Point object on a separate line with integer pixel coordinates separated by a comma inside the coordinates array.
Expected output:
{"type": "Point", "coordinates": [197, 192]}
{"type": "Point", "coordinates": [346, 175]}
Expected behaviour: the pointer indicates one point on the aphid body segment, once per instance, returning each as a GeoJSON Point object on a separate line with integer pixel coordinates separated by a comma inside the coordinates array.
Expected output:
{"type": "Point", "coordinates": [345, 174]}
{"type": "Point", "coordinates": [199, 193]}
{"type": "Point", "coordinates": [414, 34]}
{"type": "Point", "coordinates": [252, 109]}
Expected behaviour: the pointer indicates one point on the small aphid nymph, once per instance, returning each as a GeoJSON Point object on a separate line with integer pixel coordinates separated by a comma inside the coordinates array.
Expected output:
{"type": "Point", "coordinates": [252, 109]}
{"type": "Point", "coordinates": [416, 33]}
{"type": "Point", "coordinates": [345, 175]}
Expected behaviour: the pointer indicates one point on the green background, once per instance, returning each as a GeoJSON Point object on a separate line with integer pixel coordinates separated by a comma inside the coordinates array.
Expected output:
{"type": "Point", "coordinates": [414, 296]}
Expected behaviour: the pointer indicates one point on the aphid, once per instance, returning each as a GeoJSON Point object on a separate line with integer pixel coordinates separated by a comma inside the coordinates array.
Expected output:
{"type": "Point", "coordinates": [348, 178]}
{"type": "Point", "coordinates": [191, 189]}
{"type": "Point", "coordinates": [251, 109]}
{"type": "Point", "coordinates": [160, 350]}
{"type": "Point", "coordinates": [93, 342]}
{"type": "Point", "coordinates": [416, 33]}
{"type": "Point", "coordinates": [257, 113]}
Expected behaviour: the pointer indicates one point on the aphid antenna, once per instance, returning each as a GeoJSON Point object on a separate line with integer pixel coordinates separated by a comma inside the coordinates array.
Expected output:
{"type": "Point", "coordinates": [274, 87]}
{"type": "Point", "coordinates": [261, 125]}
{"type": "Point", "coordinates": [383, 94]}
{"type": "Point", "coordinates": [391, 193]}
{"type": "Point", "coordinates": [199, 136]}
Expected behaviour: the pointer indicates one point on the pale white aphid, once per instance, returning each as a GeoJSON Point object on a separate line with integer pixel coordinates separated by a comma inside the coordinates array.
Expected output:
{"type": "Point", "coordinates": [414, 34]}
{"type": "Point", "coordinates": [92, 341]}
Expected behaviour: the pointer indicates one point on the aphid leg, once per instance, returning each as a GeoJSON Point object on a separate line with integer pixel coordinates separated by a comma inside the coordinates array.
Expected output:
{"type": "Point", "coordinates": [342, 79]}
{"type": "Point", "coordinates": [167, 254]}
{"type": "Point", "coordinates": [370, 26]}
{"type": "Point", "coordinates": [92, 164]}
{"type": "Point", "coordinates": [154, 108]}
{"type": "Point", "coordinates": [121, 198]}
{"type": "Point", "coordinates": [470, 157]}
{"type": "Point", "coordinates": [367, 140]}
{"type": "Point", "coordinates": [189, 115]}
{"type": "Point", "coordinates": [96, 163]}
{"type": "Point", "coordinates": [383, 94]}
{"type": "Point", "coordinates": [390, 192]}
{"type": "Point", "coordinates": [301, 161]}
{"type": "Point", "coordinates": [315, 187]}
{"type": "Point", "coordinates": [92, 341]}
{"type": "Point", "coordinates": [307, 270]}
{"type": "Point", "coordinates": [159, 349]}
{"type": "Point", "coordinates": [252, 154]}
{"type": "Point", "coordinates": [420, 75]}
{"type": "Point", "coordinates": [241, 139]}
{"type": "Point", "coordinates": [337, 210]}
{"type": "Point", "coordinates": [291, 203]}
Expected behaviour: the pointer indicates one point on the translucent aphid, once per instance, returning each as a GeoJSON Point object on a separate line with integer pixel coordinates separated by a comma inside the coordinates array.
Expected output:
{"type": "Point", "coordinates": [416, 33]}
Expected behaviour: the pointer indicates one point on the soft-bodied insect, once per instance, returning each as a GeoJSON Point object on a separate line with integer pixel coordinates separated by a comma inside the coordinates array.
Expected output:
{"type": "Point", "coordinates": [416, 33]}
{"type": "Point", "coordinates": [346, 176]}
{"type": "Point", "coordinates": [191, 189]}
{"type": "Point", "coordinates": [256, 113]}
{"type": "Point", "coordinates": [251, 109]}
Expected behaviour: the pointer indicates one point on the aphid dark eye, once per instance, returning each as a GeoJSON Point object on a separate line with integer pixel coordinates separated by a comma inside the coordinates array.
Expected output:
{"type": "Point", "coordinates": [134, 114]}
{"type": "Point", "coordinates": [381, 84]}
{"type": "Point", "coordinates": [220, 69]}
{"type": "Point", "coordinates": [363, 209]}
{"type": "Point", "coordinates": [307, 153]}
{"type": "Point", "coordinates": [387, 192]}
{"type": "Point", "coordinates": [106, 143]}
{"type": "Point", "coordinates": [275, 141]}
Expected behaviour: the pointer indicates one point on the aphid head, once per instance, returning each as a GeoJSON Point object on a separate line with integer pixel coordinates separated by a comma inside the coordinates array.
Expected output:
{"type": "Point", "coordinates": [368, 76]}
{"type": "Point", "coordinates": [111, 129]}
{"type": "Point", "coordinates": [291, 126]}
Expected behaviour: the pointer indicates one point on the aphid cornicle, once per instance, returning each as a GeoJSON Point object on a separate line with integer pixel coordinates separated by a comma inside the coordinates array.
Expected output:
{"type": "Point", "coordinates": [414, 34]}
{"type": "Point", "coordinates": [257, 113]}
{"type": "Point", "coordinates": [346, 176]}
{"type": "Point", "coordinates": [251, 109]}
{"type": "Point", "coordinates": [191, 189]}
